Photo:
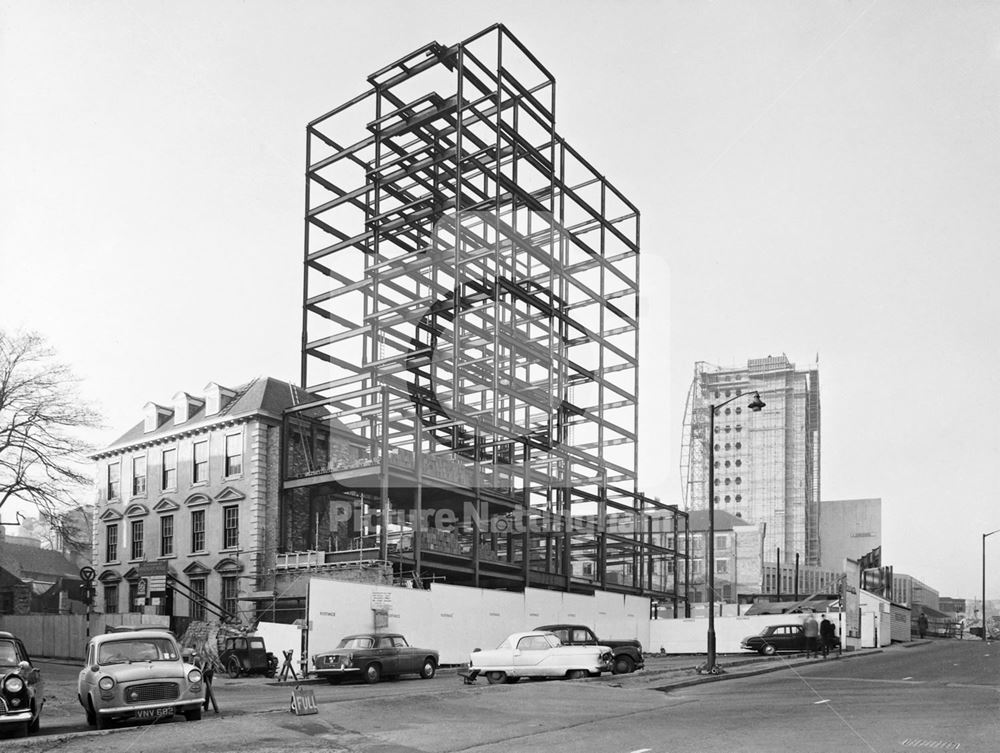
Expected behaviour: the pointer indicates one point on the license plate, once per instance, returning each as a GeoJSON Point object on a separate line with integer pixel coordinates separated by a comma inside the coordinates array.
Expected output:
{"type": "Point", "coordinates": [155, 713]}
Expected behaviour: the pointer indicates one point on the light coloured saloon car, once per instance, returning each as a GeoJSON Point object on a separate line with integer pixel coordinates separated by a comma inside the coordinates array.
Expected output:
{"type": "Point", "coordinates": [538, 654]}
{"type": "Point", "coordinates": [138, 675]}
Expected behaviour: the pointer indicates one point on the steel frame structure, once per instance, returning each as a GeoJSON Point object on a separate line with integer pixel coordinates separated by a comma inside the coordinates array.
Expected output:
{"type": "Point", "coordinates": [470, 327]}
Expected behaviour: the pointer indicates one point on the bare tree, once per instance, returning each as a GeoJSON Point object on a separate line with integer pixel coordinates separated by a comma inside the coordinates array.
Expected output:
{"type": "Point", "coordinates": [42, 455]}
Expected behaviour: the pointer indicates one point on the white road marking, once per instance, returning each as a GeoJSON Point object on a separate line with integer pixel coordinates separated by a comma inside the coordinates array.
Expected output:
{"type": "Point", "coordinates": [817, 703]}
{"type": "Point", "coordinates": [641, 750]}
{"type": "Point", "coordinates": [908, 678]}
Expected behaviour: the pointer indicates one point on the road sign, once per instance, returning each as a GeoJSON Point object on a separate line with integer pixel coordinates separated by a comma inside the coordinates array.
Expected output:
{"type": "Point", "coordinates": [381, 600]}
{"type": "Point", "coordinates": [144, 569]}
{"type": "Point", "coordinates": [157, 584]}
{"type": "Point", "coordinates": [87, 573]}
{"type": "Point", "coordinates": [304, 701]}
{"type": "Point", "coordinates": [142, 588]}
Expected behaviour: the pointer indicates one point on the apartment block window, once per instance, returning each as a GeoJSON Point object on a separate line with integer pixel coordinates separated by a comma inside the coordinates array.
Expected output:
{"type": "Point", "coordinates": [111, 598]}
{"type": "Point", "coordinates": [137, 532]}
{"type": "Point", "coordinates": [721, 567]}
{"type": "Point", "coordinates": [166, 535]}
{"type": "Point", "coordinates": [111, 543]}
{"type": "Point", "coordinates": [114, 480]}
{"type": "Point", "coordinates": [199, 473]}
{"type": "Point", "coordinates": [229, 593]}
{"type": "Point", "coordinates": [230, 527]}
{"type": "Point", "coordinates": [234, 454]}
{"type": "Point", "coordinates": [722, 542]}
{"type": "Point", "coordinates": [198, 599]}
{"type": "Point", "coordinates": [198, 531]}
{"type": "Point", "coordinates": [138, 476]}
{"type": "Point", "coordinates": [169, 475]}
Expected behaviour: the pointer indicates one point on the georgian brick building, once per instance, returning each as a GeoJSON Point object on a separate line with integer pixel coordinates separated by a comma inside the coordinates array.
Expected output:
{"type": "Point", "coordinates": [189, 497]}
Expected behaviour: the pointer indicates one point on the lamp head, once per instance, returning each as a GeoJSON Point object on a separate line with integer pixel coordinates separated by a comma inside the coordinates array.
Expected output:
{"type": "Point", "coordinates": [756, 404]}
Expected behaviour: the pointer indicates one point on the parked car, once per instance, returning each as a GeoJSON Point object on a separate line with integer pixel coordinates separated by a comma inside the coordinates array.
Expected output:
{"type": "Point", "coordinates": [774, 638]}
{"type": "Point", "coordinates": [138, 675]}
{"type": "Point", "coordinates": [21, 690]}
{"type": "Point", "coordinates": [247, 655]}
{"type": "Point", "coordinates": [538, 654]}
{"type": "Point", "coordinates": [372, 656]}
{"type": "Point", "coordinates": [627, 651]}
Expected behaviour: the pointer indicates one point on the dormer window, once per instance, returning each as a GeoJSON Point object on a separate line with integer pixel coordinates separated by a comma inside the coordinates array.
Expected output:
{"type": "Point", "coordinates": [153, 416]}
{"type": "Point", "coordinates": [185, 407]}
{"type": "Point", "coordinates": [217, 397]}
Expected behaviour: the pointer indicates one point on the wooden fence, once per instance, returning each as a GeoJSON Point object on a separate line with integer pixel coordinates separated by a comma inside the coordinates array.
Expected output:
{"type": "Point", "coordinates": [64, 636]}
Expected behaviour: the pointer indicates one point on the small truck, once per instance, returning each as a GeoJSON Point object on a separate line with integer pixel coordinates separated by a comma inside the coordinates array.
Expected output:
{"type": "Point", "coordinates": [627, 653]}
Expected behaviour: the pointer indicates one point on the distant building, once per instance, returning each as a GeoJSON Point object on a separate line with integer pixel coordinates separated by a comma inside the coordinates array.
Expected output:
{"type": "Point", "coordinates": [848, 529]}
{"type": "Point", "coordinates": [907, 591]}
{"type": "Point", "coordinates": [767, 464]}
{"type": "Point", "coordinates": [951, 605]}
{"type": "Point", "coordinates": [36, 580]}
{"type": "Point", "coordinates": [737, 556]}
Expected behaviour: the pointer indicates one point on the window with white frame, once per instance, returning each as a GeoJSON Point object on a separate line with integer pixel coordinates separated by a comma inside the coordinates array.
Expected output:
{"type": "Point", "coordinates": [199, 468]}
{"type": "Point", "coordinates": [197, 530]}
{"type": "Point", "coordinates": [168, 479]}
{"type": "Point", "coordinates": [111, 543]}
{"type": "Point", "coordinates": [138, 476]}
{"type": "Point", "coordinates": [138, 529]}
{"type": "Point", "coordinates": [234, 454]}
{"type": "Point", "coordinates": [230, 527]}
{"type": "Point", "coordinates": [114, 480]}
{"type": "Point", "coordinates": [166, 535]}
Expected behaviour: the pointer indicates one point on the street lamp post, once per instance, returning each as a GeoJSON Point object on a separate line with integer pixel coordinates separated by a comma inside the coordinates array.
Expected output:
{"type": "Point", "coordinates": [985, 535]}
{"type": "Point", "coordinates": [755, 405]}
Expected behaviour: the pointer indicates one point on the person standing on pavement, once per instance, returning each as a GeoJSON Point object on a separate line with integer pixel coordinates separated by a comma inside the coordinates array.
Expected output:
{"type": "Point", "coordinates": [922, 624]}
{"type": "Point", "coordinates": [827, 635]}
{"type": "Point", "coordinates": [207, 668]}
{"type": "Point", "coordinates": [811, 630]}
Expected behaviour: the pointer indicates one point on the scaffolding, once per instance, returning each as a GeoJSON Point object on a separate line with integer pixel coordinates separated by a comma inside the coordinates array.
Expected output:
{"type": "Point", "coordinates": [470, 327]}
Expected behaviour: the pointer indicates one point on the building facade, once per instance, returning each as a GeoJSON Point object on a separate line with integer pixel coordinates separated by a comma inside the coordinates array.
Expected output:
{"type": "Point", "coordinates": [187, 512]}
{"type": "Point", "coordinates": [849, 529]}
{"type": "Point", "coordinates": [737, 557]}
{"type": "Point", "coordinates": [767, 463]}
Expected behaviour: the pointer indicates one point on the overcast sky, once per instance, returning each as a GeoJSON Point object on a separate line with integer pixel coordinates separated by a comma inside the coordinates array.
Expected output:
{"type": "Point", "coordinates": [815, 179]}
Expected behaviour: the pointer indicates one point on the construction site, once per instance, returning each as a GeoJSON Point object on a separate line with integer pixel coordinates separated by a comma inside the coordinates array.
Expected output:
{"type": "Point", "coordinates": [470, 331]}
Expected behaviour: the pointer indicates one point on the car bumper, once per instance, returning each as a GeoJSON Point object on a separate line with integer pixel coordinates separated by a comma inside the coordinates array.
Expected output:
{"type": "Point", "coordinates": [337, 671]}
{"type": "Point", "coordinates": [15, 717]}
{"type": "Point", "coordinates": [133, 708]}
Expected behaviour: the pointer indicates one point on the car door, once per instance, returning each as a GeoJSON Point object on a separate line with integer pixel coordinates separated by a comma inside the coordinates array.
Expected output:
{"type": "Point", "coordinates": [387, 654]}
{"type": "Point", "coordinates": [530, 655]}
{"type": "Point", "coordinates": [791, 638]}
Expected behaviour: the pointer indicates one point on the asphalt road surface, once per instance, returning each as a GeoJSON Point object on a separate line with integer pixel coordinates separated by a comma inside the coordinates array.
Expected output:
{"type": "Point", "coordinates": [941, 695]}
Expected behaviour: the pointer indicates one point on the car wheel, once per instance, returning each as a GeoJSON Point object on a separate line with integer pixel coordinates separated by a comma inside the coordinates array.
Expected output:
{"type": "Point", "coordinates": [427, 671]}
{"type": "Point", "coordinates": [234, 668]}
{"type": "Point", "coordinates": [768, 650]}
{"type": "Point", "coordinates": [91, 717]}
{"type": "Point", "coordinates": [373, 673]}
{"type": "Point", "coordinates": [194, 715]}
{"type": "Point", "coordinates": [495, 678]}
{"type": "Point", "coordinates": [35, 723]}
{"type": "Point", "coordinates": [511, 680]}
{"type": "Point", "coordinates": [623, 665]}
{"type": "Point", "coordinates": [103, 722]}
{"type": "Point", "coordinates": [333, 680]}
{"type": "Point", "coordinates": [576, 674]}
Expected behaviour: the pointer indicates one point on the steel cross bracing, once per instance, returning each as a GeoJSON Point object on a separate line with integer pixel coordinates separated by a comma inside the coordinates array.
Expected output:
{"type": "Point", "coordinates": [470, 309]}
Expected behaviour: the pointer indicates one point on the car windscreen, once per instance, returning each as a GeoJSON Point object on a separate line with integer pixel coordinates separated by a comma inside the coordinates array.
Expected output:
{"type": "Point", "coordinates": [8, 654]}
{"type": "Point", "coordinates": [136, 650]}
{"type": "Point", "coordinates": [256, 643]}
{"type": "Point", "coordinates": [356, 642]}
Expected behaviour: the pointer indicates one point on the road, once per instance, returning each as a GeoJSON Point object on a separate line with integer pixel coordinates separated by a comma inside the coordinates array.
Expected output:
{"type": "Point", "coordinates": [942, 695]}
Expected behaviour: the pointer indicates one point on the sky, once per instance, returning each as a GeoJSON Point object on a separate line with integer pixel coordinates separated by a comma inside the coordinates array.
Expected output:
{"type": "Point", "coordinates": [816, 179]}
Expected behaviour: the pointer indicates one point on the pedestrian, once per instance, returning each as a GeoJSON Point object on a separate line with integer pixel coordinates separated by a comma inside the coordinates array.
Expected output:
{"type": "Point", "coordinates": [207, 668]}
{"type": "Point", "coordinates": [827, 635]}
{"type": "Point", "coordinates": [811, 630]}
{"type": "Point", "coordinates": [922, 624]}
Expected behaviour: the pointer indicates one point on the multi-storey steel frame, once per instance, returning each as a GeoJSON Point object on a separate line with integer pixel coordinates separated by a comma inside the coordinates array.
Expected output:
{"type": "Point", "coordinates": [470, 326]}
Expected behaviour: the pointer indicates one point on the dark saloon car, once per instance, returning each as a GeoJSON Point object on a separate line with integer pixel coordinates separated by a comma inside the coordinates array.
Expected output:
{"type": "Point", "coordinates": [775, 638]}
{"type": "Point", "coordinates": [372, 656]}
{"type": "Point", "coordinates": [21, 696]}
{"type": "Point", "coordinates": [247, 655]}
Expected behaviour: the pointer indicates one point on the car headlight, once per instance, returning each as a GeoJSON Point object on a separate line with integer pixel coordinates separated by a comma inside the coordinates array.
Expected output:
{"type": "Point", "coordinates": [14, 684]}
{"type": "Point", "coordinates": [194, 676]}
{"type": "Point", "coordinates": [106, 683]}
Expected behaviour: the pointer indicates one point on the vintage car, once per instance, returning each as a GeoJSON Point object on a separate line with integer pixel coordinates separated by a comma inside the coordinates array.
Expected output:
{"type": "Point", "coordinates": [247, 655]}
{"type": "Point", "coordinates": [372, 656]}
{"type": "Point", "coordinates": [21, 690]}
{"type": "Point", "coordinates": [538, 654]}
{"type": "Point", "coordinates": [138, 675]}
{"type": "Point", "coordinates": [627, 651]}
{"type": "Point", "coordinates": [775, 638]}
